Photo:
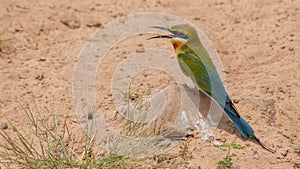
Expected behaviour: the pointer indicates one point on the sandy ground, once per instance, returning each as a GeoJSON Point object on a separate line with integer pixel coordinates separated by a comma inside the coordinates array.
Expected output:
{"type": "Point", "coordinates": [258, 43]}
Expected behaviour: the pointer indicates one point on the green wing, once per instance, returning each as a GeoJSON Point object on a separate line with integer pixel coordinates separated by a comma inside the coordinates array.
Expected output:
{"type": "Point", "coordinates": [205, 76]}
{"type": "Point", "coordinates": [196, 70]}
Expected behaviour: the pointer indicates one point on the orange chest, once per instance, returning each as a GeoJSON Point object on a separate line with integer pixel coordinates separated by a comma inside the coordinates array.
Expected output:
{"type": "Point", "coordinates": [176, 44]}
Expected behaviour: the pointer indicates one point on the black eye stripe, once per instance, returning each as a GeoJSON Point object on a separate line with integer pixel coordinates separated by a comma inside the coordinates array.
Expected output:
{"type": "Point", "coordinates": [180, 34]}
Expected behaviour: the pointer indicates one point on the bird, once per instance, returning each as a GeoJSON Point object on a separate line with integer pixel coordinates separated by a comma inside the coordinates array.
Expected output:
{"type": "Point", "coordinates": [196, 63]}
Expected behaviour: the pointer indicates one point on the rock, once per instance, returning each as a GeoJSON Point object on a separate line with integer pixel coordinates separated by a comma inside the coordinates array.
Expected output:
{"type": "Point", "coordinates": [90, 116]}
{"type": "Point", "coordinates": [4, 126]}
{"type": "Point", "coordinates": [42, 59]}
{"type": "Point", "coordinates": [96, 24]}
{"type": "Point", "coordinates": [71, 20]}
{"type": "Point", "coordinates": [236, 101]}
{"type": "Point", "coordinates": [40, 77]}
{"type": "Point", "coordinates": [222, 140]}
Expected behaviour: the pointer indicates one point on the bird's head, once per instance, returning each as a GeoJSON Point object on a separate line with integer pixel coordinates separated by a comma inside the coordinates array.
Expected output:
{"type": "Point", "coordinates": [180, 34]}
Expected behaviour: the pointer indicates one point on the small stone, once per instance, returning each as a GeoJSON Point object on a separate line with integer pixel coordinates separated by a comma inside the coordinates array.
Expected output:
{"type": "Point", "coordinates": [4, 126]}
{"type": "Point", "coordinates": [39, 77]}
{"type": "Point", "coordinates": [223, 140]}
{"type": "Point", "coordinates": [90, 116]}
{"type": "Point", "coordinates": [95, 24]}
{"type": "Point", "coordinates": [211, 138]}
{"type": "Point", "coordinates": [42, 59]}
{"type": "Point", "coordinates": [285, 153]}
{"type": "Point", "coordinates": [131, 98]}
{"type": "Point", "coordinates": [236, 100]}
{"type": "Point", "coordinates": [226, 71]}
{"type": "Point", "coordinates": [71, 21]}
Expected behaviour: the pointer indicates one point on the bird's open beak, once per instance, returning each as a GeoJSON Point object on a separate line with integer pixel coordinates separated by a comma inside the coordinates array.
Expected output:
{"type": "Point", "coordinates": [162, 36]}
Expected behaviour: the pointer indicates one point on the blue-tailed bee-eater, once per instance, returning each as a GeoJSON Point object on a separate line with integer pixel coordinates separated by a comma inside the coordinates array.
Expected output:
{"type": "Point", "coordinates": [196, 63]}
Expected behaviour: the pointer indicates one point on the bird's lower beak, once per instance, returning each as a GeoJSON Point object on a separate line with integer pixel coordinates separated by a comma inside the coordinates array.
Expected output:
{"type": "Point", "coordinates": [162, 36]}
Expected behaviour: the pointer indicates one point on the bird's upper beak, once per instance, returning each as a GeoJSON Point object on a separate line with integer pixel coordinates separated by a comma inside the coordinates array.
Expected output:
{"type": "Point", "coordinates": [177, 38]}
{"type": "Point", "coordinates": [163, 36]}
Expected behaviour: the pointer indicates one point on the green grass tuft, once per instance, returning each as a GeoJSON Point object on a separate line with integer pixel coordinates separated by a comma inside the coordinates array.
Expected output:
{"type": "Point", "coordinates": [45, 146]}
{"type": "Point", "coordinates": [226, 162]}
{"type": "Point", "coordinates": [297, 149]}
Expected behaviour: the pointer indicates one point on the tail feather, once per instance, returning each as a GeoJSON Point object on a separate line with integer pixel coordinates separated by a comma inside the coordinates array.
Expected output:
{"type": "Point", "coordinates": [263, 146]}
{"type": "Point", "coordinates": [244, 128]}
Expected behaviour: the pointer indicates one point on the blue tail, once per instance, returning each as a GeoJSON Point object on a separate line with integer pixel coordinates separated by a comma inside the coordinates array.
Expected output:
{"type": "Point", "coordinates": [244, 128]}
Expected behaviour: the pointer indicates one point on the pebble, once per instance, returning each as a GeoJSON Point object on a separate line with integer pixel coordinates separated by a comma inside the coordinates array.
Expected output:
{"type": "Point", "coordinates": [236, 100]}
{"type": "Point", "coordinates": [223, 140]}
{"type": "Point", "coordinates": [90, 116]}
{"type": "Point", "coordinates": [96, 24]}
{"type": "Point", "coordinates": [42, 59]}
{"type": "Point", "coordinates": [40, 77]}
{"type": "Point", "coordinates": [71, 21]}
{"type": "Point", "coordinates": [4, 126]}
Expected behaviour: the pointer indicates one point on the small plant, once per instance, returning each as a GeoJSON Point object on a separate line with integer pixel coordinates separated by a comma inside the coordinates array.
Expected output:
{"type": "Point", "coordinates": [115, 161]}
{"type": "Point", "coordinates": [226, 145]}
{"type": "Point", "coordinates": [184, 152]}
{"type": "Point", "coordinates": [46, 147]}
{"type": "Point", "coordinates": [297, 149]}
{"type": "Point", "coordinates": [226, 162]}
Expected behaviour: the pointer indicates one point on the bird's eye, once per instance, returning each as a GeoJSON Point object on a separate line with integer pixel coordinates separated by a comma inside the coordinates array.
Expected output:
{"type": "Point", "coordinates": [182, 35]}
